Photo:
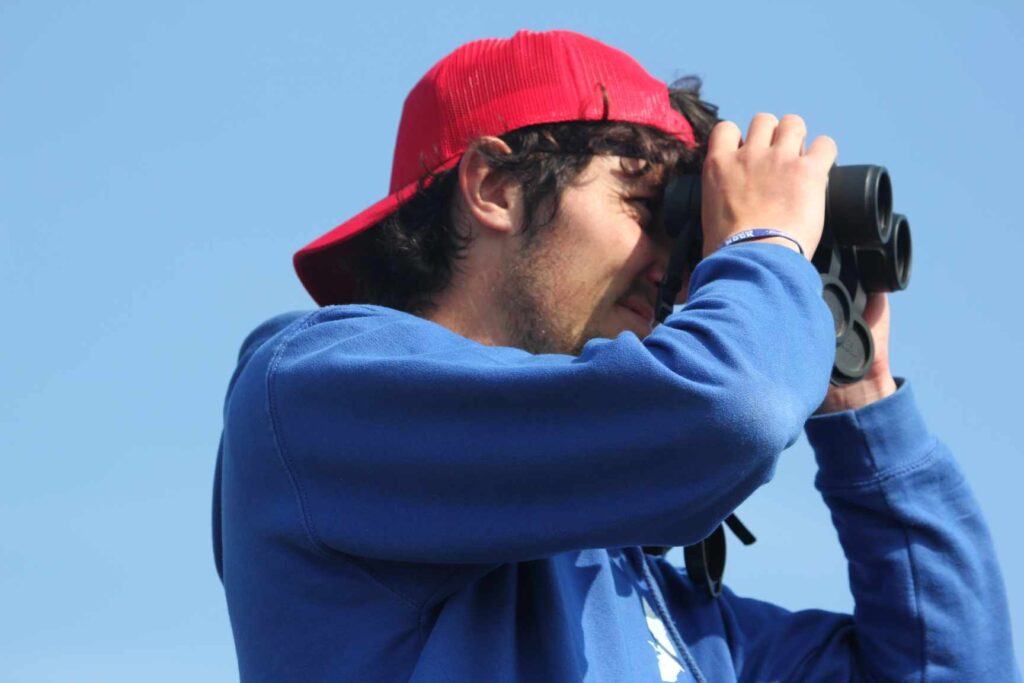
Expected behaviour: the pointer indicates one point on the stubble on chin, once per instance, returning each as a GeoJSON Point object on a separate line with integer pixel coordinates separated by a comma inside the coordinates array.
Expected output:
{"type": "Point", "coordinates": [524, 293]}
{"type": "Point", "coordinates": [527, 323]}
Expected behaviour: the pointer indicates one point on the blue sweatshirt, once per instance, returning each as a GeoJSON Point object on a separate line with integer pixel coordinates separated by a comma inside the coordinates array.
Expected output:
{"type": "Point", "coordinates": [395, 502]}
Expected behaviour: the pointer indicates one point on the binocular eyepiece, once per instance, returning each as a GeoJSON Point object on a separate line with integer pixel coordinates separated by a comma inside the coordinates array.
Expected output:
{"type": "Point", "coordinates": [864, 248]}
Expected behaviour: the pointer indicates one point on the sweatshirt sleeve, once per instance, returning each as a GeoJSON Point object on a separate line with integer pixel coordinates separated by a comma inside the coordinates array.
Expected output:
{"type": "Point", "coordinates": [929, 597]}
{"type": "Point", "coordinates": [408, 442]}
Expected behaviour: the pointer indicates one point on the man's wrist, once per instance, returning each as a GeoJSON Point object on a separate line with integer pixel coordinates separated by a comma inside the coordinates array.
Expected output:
{"type": "Point", "coordinates": [759, 236]}
{"type": "Point", "coordinates": [857, 445]}
{"type": "Point", "coordinates": [857, 395]}
{"type": "Point", "coordinates": [790, 244]}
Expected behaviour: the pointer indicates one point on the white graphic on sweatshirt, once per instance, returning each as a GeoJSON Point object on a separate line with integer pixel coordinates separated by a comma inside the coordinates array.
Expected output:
{"type": "Point", "coordinates": [668, 659]}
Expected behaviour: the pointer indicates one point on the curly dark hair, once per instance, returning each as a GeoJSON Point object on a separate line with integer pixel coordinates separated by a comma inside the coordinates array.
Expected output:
{"type": "Point", "coordinates": [407, 259]}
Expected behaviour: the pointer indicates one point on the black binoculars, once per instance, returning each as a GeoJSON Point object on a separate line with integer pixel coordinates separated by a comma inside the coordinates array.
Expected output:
{"type": "Point", "coordinates": [864, 248]}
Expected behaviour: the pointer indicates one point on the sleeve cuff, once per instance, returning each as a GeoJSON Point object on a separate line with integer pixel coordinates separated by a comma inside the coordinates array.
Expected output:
{"type": "Point", "coordinates": [766, 254]}
{"type": "Point", "coordinates": [870, 443]}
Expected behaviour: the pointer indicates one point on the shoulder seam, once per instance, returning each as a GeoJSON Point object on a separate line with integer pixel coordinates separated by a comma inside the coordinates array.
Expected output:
{"type": "Point", "coordinates": [275, 431]}
{"type": "Point", "coordinates": [286, 461]}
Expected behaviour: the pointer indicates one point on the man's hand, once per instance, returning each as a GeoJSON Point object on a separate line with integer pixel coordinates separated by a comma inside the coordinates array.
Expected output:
{"type": "Point", "coordinates": [878, 383]}
{"type": "Point", "coordinates": [765, 181]}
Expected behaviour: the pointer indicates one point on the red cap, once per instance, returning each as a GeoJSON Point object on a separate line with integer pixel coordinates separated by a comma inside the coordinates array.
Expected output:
{"type": "Point", "coordinates": [491, 87]}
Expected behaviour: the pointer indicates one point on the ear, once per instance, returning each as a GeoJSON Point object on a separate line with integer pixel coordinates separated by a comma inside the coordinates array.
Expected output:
{"type": "Point", "coordinates": [489, 196]}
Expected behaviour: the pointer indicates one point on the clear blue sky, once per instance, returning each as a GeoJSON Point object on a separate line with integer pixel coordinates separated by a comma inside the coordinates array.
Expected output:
{"type": "Point", "coordinates": [160, 162]}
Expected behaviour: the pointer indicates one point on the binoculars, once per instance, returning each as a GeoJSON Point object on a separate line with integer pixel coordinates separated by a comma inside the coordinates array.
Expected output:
{"type": "Point", "coordinates": [864, 248]}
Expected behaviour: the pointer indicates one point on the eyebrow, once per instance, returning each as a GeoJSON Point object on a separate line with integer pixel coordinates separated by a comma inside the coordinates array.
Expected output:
{"type": "Point", "coordinates": [640, 183]}
{"type": "Point", "coordinates": [651, 179]}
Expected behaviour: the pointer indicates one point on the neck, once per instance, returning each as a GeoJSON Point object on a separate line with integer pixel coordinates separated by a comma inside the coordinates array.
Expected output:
{"type": "Point", "coordinates": [468, 306]}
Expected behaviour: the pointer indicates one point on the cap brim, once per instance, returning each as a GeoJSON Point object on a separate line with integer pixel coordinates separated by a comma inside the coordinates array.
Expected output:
{"type": "Point", "coordinates": [318, 264]}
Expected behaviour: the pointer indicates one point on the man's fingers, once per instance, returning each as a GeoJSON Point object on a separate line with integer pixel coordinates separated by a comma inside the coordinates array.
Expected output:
{"type": "Point", "coordinates": [725, 137]}
{"type": "Point", "coordinates": [877, 310]}
{"type": "Point", "coordinates": [825, 149]}
{"type": "Point", "coordinates": [790, 135]}
{"type": "Point", "coordinates": [762, 128]}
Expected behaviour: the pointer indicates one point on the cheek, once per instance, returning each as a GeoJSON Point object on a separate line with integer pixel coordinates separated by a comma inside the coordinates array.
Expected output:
{"type": "Point", "coordinates": [601, 251]}
{"type": "Point", "coordinates": [616, 243]}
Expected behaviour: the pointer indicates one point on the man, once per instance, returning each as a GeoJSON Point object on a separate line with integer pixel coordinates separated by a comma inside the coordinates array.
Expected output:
{"type": "Point", "coordinates": [451, 470]}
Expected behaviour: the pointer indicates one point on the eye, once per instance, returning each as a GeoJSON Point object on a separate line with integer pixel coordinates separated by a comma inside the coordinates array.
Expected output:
{"type": "Point", "coordinates": [646, 208]}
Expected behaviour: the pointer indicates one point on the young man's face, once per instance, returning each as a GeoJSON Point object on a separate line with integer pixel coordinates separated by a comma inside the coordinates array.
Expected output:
{"type": "Point", "coordinates": [594, 271]}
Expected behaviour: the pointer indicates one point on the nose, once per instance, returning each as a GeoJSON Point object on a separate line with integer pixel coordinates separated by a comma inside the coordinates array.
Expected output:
{"type": "Point", "coordinates": [657, 254]}
{"type": "Point", "coordinates": [661, 249]}
{"type": "Point", "coordinates": [659, 246]}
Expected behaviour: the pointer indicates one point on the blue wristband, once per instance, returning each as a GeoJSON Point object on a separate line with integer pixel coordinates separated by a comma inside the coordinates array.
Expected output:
{"type": "Point", "coordinates": [759, 233]}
